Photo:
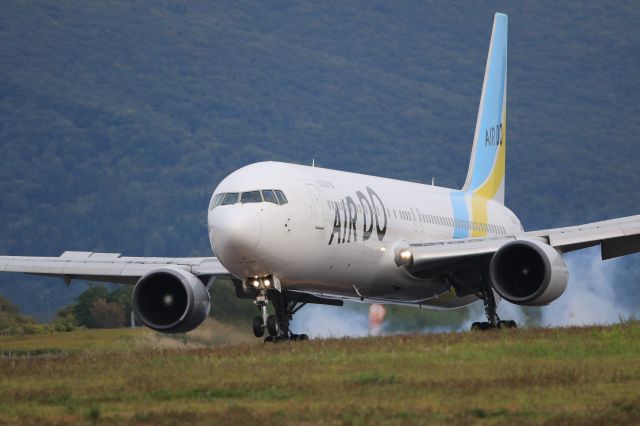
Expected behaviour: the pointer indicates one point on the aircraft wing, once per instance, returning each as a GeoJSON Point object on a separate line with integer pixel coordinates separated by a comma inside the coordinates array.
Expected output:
{"type": "Point", "coordinates": [108, 267]}
{"type": "Point", "coordinates": [616, 237]}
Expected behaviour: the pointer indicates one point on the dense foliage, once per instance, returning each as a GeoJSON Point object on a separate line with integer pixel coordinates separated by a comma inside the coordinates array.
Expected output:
{"type": "Point", "coordinates": [97, 307]}
{"type": "Point", "coordinates": [118, 119]}
{"type": "Point", "coordinates": [14, 322]}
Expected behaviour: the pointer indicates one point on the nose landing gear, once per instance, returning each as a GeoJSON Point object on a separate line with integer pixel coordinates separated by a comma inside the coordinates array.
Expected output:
{"type": "Point", "coordinates": [277, 326]}
{"type": "Point", "coordinates": [286, 303]}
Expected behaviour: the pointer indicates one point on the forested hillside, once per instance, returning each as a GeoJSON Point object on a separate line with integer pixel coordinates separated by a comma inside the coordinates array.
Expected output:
{"type": "Point", "coordinates": [117, 119]}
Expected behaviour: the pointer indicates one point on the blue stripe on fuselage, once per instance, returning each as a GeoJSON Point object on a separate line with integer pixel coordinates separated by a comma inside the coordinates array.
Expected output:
{"type": "Point", "coordinates": [460, 212]}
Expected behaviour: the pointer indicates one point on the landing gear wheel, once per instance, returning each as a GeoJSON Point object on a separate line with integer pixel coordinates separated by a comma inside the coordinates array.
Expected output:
{"type": "Point", "coordinates": [258, 327]}
{"type": "Point", "coordinates": [303, 337]}
{"type": "Point", "coordinates": [482, 326]}
{"type": "Point", "coordinates": [273, 327]}
{"type": "Point", "coordinates": [269, 339]}
{"type": "Point", "coordinates": [507, 324]}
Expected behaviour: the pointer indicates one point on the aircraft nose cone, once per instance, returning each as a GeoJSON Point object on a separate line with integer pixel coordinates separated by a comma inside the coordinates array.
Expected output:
{"type": "Point", "coordinates": [234, 232]}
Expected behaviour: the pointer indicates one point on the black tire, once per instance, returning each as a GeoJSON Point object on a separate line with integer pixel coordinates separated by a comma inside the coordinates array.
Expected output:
{"type": "Point", "coordinates": [482, 326]}
{"type": "Point", "coordinates": [294, 337]}
{"type": "Point", "coordinates": [507, 324]}
{"type": "Point", "coordinates": [302, 337]}
{"type": "Point", "coordinates": [273, 327]}
{"type": "Point", "coordinates": [258, 327]}
{"type": "Point", "coordinates": [268, 339]}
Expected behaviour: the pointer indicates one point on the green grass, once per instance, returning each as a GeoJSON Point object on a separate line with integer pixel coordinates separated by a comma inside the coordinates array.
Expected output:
{"type": "Point", "coordinates": [554, 376]}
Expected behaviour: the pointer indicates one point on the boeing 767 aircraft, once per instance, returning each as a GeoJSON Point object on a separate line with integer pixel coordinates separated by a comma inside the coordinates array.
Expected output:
{"type": "Point", "coordinates": [291, 235]}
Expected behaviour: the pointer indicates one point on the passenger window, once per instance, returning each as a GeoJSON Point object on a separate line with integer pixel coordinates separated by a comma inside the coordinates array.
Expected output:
{"type": "Point", "coordinates": [230, 198]}
{"type": "Point", "coordinates": [215, 202]}
{"type": "Point", "coordinates": [251, 197]}
{"type": "Point", "coordinates": [269, 197]}
{"type": "Point", "coordinates": [281, 198]}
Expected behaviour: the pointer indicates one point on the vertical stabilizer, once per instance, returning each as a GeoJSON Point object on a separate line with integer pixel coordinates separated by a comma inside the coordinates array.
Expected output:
{"type": "Point", "coordinates": [486, 175]}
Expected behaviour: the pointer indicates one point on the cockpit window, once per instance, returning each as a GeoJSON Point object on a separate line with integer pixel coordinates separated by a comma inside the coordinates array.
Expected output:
{"type": "Point", "coordinates": [281, 198]}
{"type": "Point", "coordinates": [251, 197]}
{"type": "Point", "coordinates": [216, 201]}
{"type": "Point", "coordinates": [269, 197]}
{"type": "Point", "coordinates": [230, 198]}
{"type": "Point", "coordinates": [274, 196]}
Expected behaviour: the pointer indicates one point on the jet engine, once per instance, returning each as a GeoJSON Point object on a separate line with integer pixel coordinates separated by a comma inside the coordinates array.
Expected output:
{"type": "Point", "coordinates": [171, 300]}
{"type": "Point", "coordinates": [528, 272]}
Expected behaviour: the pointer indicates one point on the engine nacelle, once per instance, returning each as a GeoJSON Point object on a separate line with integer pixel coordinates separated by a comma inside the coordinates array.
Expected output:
{"type": "Point", "coordinates": [171, 300]}
{"type": "Point", "coordinates": [528, 272]}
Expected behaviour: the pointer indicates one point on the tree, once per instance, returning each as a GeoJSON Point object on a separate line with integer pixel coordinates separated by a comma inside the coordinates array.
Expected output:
{"type": "Point", "coordinates": [14, 322]}
{"type": "Point", "coordinates": [96, 307]}
{"type": "Point", "coordinates": [108, 314]}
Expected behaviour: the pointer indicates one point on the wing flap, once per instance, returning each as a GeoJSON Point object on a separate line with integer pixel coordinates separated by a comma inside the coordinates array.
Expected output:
{"type": "Point", "coordinates": [617, 247]}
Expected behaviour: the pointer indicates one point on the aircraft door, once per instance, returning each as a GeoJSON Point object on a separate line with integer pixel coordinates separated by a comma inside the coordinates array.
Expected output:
{"type": "Point", "coordinates": [316, 202]}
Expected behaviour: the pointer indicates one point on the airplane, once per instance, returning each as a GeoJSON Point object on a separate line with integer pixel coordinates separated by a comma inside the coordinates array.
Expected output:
{"type": "Point", "coordinates": [291, 235]}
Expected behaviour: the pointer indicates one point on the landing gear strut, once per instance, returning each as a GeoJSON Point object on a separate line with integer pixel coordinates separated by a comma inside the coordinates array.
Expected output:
{"type": "Point", "coordinates": [276, 325]}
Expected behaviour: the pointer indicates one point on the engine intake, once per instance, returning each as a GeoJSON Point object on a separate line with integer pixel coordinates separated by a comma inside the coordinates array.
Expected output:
{"type": "Point", "coordinates": [171, 300]}
{"type": "Point", "coordinates": [528, 272]}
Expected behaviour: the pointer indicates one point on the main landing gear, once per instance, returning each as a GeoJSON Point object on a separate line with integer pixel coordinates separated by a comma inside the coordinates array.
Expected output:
{"type": "Point", "coordinates": [490, 309]}
{"type": "Point", "coordinates": [277, 326]}
{"type": "Point", "coordinates": [483, 291]}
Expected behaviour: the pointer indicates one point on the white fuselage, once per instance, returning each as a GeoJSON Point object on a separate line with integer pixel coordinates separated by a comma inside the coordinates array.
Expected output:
{"type": "Point", "coordinates": [337, 234]}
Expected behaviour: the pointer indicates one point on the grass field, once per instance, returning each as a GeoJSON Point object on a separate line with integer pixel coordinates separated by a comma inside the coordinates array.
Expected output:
{"type": "Point", "coordinates": [539, 376]}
